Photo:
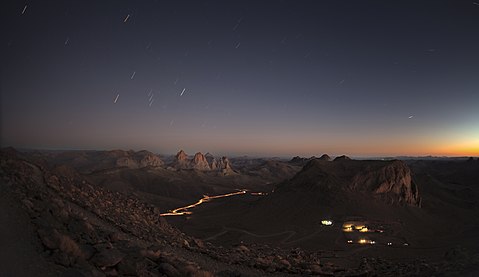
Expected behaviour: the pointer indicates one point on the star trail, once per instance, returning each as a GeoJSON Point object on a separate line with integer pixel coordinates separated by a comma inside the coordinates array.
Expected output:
{"type": "Point", "coordinates": [281, 78]}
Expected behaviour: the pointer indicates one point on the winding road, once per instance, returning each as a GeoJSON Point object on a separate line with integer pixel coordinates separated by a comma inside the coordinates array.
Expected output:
{"type": "Point", "coordinates": [185, 210]}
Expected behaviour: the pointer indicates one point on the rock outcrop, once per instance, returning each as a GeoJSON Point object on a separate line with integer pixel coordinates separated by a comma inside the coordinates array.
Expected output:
{"type": "Point", "coordinates": [199, 162]}
{"type": "Point", "coordinates": [325, 157]}
{"type": "Point", "coordinates": [301, 160]}
{"type": "Point", "coordinates": [342, 158]}
{"type": "Point", "coordinates": [391, 182]}
{"type": "Point", "coordinates": [151, 160]}
{"type": "Point", "coordinates": [181, 160]}
{"type": "Point", "coordinates": [224, 166]}
{"type": "Point", "coordinates": [214, 165]}
{"type": "Point", "coordinates": [388, 181]}
{"type": "Point", "coordinates": [211, 161]}
{"type": "Point", "coordinates": [202, 163]}
{"type": "Point", "coordinates": [139, 159]}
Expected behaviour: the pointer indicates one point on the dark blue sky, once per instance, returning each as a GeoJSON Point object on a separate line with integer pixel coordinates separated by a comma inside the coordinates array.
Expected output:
{"type": "Point", "coordinates": [259, 77]}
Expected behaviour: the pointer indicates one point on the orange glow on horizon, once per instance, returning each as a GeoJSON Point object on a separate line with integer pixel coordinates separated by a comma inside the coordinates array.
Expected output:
{"type": "Point", "coordinates": [463, 149]}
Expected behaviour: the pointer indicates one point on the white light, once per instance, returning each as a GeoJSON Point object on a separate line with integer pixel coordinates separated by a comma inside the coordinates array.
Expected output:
{"type": "Point", "coordinates": [390, 243]}
{"type": "Point", "coordinates": [327, 222]}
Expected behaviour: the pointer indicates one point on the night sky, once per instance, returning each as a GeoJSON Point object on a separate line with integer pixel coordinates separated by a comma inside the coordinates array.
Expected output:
{"type": "Point", "coordinates": [258, 78]}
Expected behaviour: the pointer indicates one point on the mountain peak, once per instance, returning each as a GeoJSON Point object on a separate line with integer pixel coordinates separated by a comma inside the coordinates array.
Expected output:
{"type": "Point", "coordinates": [181, 155]}
{"type": "Point", "coordinates": [325, 157]}
{"type": "Point", "coordinates": [342, 158]}
{"type": "Point", "coordinates": [199, 162]}
{"type": "Point", "coordinates": [388, 181]}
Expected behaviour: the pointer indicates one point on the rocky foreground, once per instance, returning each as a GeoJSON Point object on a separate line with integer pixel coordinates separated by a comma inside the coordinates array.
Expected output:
{"type": "Point", "coordinates": [84, 230]}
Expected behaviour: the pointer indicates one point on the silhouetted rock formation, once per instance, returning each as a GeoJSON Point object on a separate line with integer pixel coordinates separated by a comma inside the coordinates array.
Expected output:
{"type": "Point", "coordinates": [296, 159]}
{"type": "Point", "coordinates": [199, 162]}
{"type": "Point", "coordinates": [139, 159]}
{"type": "Point", "coordinates": [301, 160]}
{"type": "Point", "coordinates": [210, 158]}
{"type": "Point", "coordinates": [342, 158]}
{"type": "Point", "coordinates": [181, 156]}
{"type": "Point", "coordinates": [181, 160]}
{"type": "Point", "coordinates": [203, 163]}
{"type": "Point", "coordinates": [389, 181]}
{"type": "Point", "coordinates": [325, 157]}
{"type": "Point", "coordinates": [224, 166]}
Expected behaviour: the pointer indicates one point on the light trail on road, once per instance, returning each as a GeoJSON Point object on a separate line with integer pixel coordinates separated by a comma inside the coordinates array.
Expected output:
{"type": "Point", "coordinates": [206, 198]}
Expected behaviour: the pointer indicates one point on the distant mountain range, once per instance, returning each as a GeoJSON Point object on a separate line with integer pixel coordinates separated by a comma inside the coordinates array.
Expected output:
{"type": "Point", "coordinates": [202, 162]}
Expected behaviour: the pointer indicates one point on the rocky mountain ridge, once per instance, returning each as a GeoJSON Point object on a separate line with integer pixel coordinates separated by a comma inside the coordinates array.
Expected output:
{"type": "Point", "coordinates": [88, 231]}
{"type": "Point", "coordinates": [85, 230]}
{"type": "Point", "coordinates": [303, 161]}
{"type": "Point", "coordinates": [389, 181]}
{"type": "Point", "coordinates": [202, 163]}
{"type": "Point", "coordinates": [139, 159]}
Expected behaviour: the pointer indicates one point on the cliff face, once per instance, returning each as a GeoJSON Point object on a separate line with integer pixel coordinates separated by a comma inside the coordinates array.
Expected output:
{"type": "Point", "coordinates": [224, 166]}
{"type": "Point", "coordinates": [199, 162]}
{"type": "Point", "coordinates": [388, 181]}
{"type": "Point", "coordinates": [181, 156]}
{"type": "Point", "coordinates": [391, 182]}
{"type": "Point", "coordinates": [181, 160]}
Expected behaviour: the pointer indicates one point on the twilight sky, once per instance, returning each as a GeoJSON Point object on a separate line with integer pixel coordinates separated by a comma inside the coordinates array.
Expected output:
{"type": "Point", "coordinates": [282, 78]}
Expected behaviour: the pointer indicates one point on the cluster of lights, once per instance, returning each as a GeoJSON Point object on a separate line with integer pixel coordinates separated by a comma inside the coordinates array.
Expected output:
{"type": "Point", "coordinates": [347, 229]}
{"type": "Point", "coordinates": [327, 222]}
{"type": "Point", "coordinates": [359, 228]}
{"type": "Point", "coordinates": [363, 241]}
